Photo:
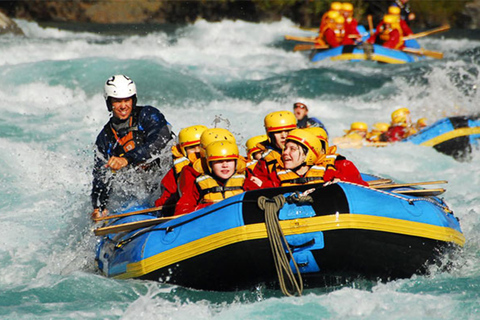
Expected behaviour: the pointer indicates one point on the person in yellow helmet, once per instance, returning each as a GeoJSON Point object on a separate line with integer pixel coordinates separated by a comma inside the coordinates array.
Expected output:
{"type": "Point", "coordinates": [400, 127]}
{"type": "Point", "coordinates": [357, 131]}
{"type": "Point", "coordinates": [388, 33]}
{"type": "Point", "coordinates": [188, 175]}
{"type": "Point", "coordinates": [351, 33]}
{"type": "Point", "coordinates": [396, 11]}
{"type": "Point", "coordinates": [301, 153]}
{"type": "Point", "coordinates": [254, 153]}
{"type": "Point", "coordinates": [277, 126]}
{"type": "Point", "coordinates": [334, 7]}
{"type": "Point", "coordinates": [223, 177]}
{"type": "Point", "coordinates": [421, 123]}
{"type": "Point", "coordinates": [185, 152]}
{"type": "Point", "coordinates": [333, 31]}
{"type": "Point", "coordinates": [377, 130]}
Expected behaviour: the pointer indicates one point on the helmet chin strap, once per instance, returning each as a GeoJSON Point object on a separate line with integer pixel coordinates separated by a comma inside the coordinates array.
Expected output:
{"type": "Point", "coordinates": [299, 167]}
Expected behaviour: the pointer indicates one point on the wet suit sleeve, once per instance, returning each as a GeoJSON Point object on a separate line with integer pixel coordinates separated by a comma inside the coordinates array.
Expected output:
{"type": "Point", "coordinates": [100, 185]}
{"type": "Point", "coordinates": [157, 135]}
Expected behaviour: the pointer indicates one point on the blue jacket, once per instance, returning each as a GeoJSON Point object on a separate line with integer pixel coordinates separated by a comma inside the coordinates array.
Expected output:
{"type": "Point", "coordinates": [310, 122]}
{"type": "Point", "coordinates": [151, 134]}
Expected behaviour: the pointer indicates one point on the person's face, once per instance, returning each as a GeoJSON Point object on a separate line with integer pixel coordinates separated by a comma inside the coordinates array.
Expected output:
{"type": "Point", "coordinates": [223, 169]}
{"type": "Point", "coordinates": [257, 155]}
{"type": "Point", "coordinates": [292, 155]}
{"type": "Point", "coordinates": [300, 111]}
{"type": "Point", "coordinates": [280, 137]}
{"type": "Point", "coordinates": [192, 149]}
{"type": "Point", "coordinates": [122, 107]}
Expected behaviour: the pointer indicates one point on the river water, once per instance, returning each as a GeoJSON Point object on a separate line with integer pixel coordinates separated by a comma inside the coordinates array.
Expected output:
{"type": "Point", "coordinates": [229, 74]}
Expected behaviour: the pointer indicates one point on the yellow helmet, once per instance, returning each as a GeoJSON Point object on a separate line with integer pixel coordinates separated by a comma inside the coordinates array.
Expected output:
{"type": "Point", "coordinates": [221, 150]}
{"type": "Point", "coordinates": [321, 134]}
{"type": "Point", "coordinates": [360, 126]}
{"type": "Point", "coordinates": [422, 122]}
{"type": "Point", "coordinates": [190, 136]}
{"type": "Point", "coordinates": [308, 140]}
{"type": "Point", "coordinates": [380, 126]}
{"type": "Point", "coordinates": [333, 14]}
{"type": "Point", "coordinates": [340, 20]}
{"type": "Point", "coordinates": [394, 10]}
{"type": "Point", "coordinates": [251, 145]}
{"type": "Point", "coordinates": [215, 134]}
{"type": "Point", "coordinates": [390, 18]}
{"type": "Point", "coordinates": [347, 6]}
{"type": "Point", "coordinates": [335, 6]}
{"type": "Point", "coordinates": [280, 121]}
{"type": "Point", "coordinates": [401, 116]}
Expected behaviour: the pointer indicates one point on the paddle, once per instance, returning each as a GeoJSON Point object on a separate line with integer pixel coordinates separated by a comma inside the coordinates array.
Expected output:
{"type": "Point", "coordinates": [303, 47]}
{"type": "Point", "coordinates": [421, 192]}
{"type": "Point", "coordinates": [398, 185]}
{"type": "Point", "coordinates": [423, 52]}
{"type": "Point", "coordinates": [370, 24]}
{"type": "Point", "coordinates": [129, 214]}
{"type": "Point", "coordinates": [427, 33]}
{"type": "Point", "coordinates": [132, 225]}
{"type": "Point", "coordinates": [302, 39]}
{"type": "Point", "coordinates": [378, 182]}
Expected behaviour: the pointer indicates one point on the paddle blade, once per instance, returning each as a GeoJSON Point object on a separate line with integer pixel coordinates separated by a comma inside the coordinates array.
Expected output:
{"type": "Point", "coordinates": [304, 47]}
{"type": "Point", "coordinates": [423, 52]}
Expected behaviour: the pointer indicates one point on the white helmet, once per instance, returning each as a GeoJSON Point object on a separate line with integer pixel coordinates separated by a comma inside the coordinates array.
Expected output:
{"type": "Point", "coordinates": [119, 86]}
{"type": "Point", "coordinates": [301, 103]}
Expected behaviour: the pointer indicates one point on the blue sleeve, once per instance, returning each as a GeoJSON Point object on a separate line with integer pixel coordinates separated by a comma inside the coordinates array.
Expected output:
{"type": "Point", "coordinates": [314, 122]}
{"type": "Point", "coordinates": [157, 134]}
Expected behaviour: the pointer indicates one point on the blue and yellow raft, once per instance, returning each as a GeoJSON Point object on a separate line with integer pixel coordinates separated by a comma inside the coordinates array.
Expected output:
{"type": "Point", "coordinates": [347, 231]}
{"type": "Point", "coordinates": [453, 136]}
{"type": "Point", "coordinates": [367, 52]}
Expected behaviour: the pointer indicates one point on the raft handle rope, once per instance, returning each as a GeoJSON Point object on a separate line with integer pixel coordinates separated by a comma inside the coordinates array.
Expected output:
{"type": "Point", "coordinates": [409, 200]}
{"type": "Point", "coordinates": [280, 247]}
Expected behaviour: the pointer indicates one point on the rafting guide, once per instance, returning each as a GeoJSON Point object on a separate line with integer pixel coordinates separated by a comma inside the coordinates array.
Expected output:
{"type": "Point", "coordinates": [129, 149]}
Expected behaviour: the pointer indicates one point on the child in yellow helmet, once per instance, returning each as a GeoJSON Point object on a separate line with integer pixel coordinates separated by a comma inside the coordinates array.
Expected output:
{"type": "Point", "coordinates": [400, 128]}
{"type": "Point", "coordinates": [185, 152]}
{"type": "Point", "coordinates": [388, 33]}
{"type": "Point", "coordinates": [223, 177]}
{"type": "Point", "coordinates": [277, 126]}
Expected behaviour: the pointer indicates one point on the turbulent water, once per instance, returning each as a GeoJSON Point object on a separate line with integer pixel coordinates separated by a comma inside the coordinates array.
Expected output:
{"type": "Point", "coordinates": [229, 74]}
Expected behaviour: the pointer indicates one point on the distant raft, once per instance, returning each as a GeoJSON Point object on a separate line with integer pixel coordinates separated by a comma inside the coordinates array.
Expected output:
{"type": "Point", "coordinates": [341, 231]}
{"type": "Point", "coordinates": [368, 52]}
{"type": "Point", "coordinates": [454, 136]}
{"type": "Point", "coordinates": [457, 137]}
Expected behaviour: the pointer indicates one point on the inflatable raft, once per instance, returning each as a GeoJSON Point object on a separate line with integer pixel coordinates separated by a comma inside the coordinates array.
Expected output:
{"type": "Point", "coordinates": [368, 52]}
{"type": "Point", "coordinates": [344, 231]}
{"type": "Point", "coordinates": [454, 136]}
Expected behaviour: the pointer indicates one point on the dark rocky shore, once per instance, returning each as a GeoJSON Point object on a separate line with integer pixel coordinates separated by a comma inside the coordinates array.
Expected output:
{"type": "Point", "coordinates": [462, 14]}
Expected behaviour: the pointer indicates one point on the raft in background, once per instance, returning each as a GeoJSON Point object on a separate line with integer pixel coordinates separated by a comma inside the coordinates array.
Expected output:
{"type": "Point", "coordinates": [367, 52]}
{"type": "Point", "coordinates": [456, 136]}
{"type": "Point", "coordinates": [348, 231]}
{"type": "Point", "coordinates": [453, 136]}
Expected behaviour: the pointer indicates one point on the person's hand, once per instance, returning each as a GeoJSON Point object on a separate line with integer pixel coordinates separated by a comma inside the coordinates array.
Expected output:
{"type": "Point", "coordinates": [96, 214]}
{"type": "Point", "coordinates": [117, 163]}
{"type": "Point", "coordinates": [411, 16]}
{"type": "Point", "coordinates": [257, 181]}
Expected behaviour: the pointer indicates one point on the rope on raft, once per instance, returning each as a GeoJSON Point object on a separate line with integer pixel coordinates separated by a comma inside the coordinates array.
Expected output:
{"type": "Point", "coordinates": [280, 247]}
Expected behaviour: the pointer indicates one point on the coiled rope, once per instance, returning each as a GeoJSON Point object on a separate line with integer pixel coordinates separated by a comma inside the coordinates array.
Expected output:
{"type": "Point", "coordinates": [280, 247]}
